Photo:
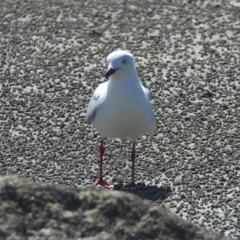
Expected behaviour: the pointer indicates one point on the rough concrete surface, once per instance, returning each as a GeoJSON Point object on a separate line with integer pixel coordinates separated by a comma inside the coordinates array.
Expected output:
{"type": "Point", "coordinates": [53, 56]}
{"type": "Point", "coordinates": [31, 211]}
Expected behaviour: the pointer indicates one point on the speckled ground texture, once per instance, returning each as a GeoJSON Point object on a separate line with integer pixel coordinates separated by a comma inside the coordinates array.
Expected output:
{"type": "Point", "coordinates": [53, 56]}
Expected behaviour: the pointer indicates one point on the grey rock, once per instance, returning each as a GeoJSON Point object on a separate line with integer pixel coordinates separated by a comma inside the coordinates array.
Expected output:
{"type": "Point", "coordinates": [36, 211]}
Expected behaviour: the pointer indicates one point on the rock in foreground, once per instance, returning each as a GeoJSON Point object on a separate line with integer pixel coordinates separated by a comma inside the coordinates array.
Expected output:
{"type": "Point", "coordinates": [33, 211]}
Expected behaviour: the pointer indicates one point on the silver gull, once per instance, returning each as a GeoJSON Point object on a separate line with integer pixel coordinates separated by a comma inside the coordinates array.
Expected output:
{"type": "Point", "coordinates": [121, 107]}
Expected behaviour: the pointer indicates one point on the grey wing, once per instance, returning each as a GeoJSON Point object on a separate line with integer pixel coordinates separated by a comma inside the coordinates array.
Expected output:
{"type": "Point", "coordinates": [149, 98]}
{"type": "Point", "coordinates": [146, 92]}
{"type": "Point", "coordinates": [92, 109]}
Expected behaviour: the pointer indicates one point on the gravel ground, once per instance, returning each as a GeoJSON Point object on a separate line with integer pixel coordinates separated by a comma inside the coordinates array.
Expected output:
{"type": "Point", "coordinates": [53, 56]}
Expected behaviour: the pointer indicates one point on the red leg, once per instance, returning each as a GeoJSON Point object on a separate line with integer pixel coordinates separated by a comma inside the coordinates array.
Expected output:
{"type": "Point", "coordinates": [100, 180]}
{"type": "Point", "coordinates": [132, 184]}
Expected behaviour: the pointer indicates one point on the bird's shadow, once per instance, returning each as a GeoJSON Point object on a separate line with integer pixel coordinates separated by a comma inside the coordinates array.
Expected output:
{"type": "Point", "coordinates": [152, 193]}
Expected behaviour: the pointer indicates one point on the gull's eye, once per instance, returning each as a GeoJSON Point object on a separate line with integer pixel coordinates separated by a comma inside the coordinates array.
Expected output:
{"type": "Point", "coordinates": [124, 61]}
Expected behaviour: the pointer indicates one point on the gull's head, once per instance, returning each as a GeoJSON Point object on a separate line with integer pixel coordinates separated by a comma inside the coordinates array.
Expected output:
{"type": "Point", "coordinates": [120, 64]}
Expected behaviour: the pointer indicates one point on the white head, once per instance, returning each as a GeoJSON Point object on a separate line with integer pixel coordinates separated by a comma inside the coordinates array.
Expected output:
{"type": "Point", "coordinates": [121, 64]}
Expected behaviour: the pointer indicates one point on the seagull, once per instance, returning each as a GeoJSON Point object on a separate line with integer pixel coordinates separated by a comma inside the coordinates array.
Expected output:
{"type": "Point", "coordinates": [120, 107]}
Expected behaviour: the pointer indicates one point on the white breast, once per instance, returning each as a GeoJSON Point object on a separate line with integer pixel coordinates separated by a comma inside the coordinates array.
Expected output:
{"type": "Point", "coordinates": [125, 112]}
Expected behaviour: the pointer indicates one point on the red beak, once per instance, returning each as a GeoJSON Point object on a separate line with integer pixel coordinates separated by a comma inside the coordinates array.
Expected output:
{"type": "Point", "coordinates": [109, 72]}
